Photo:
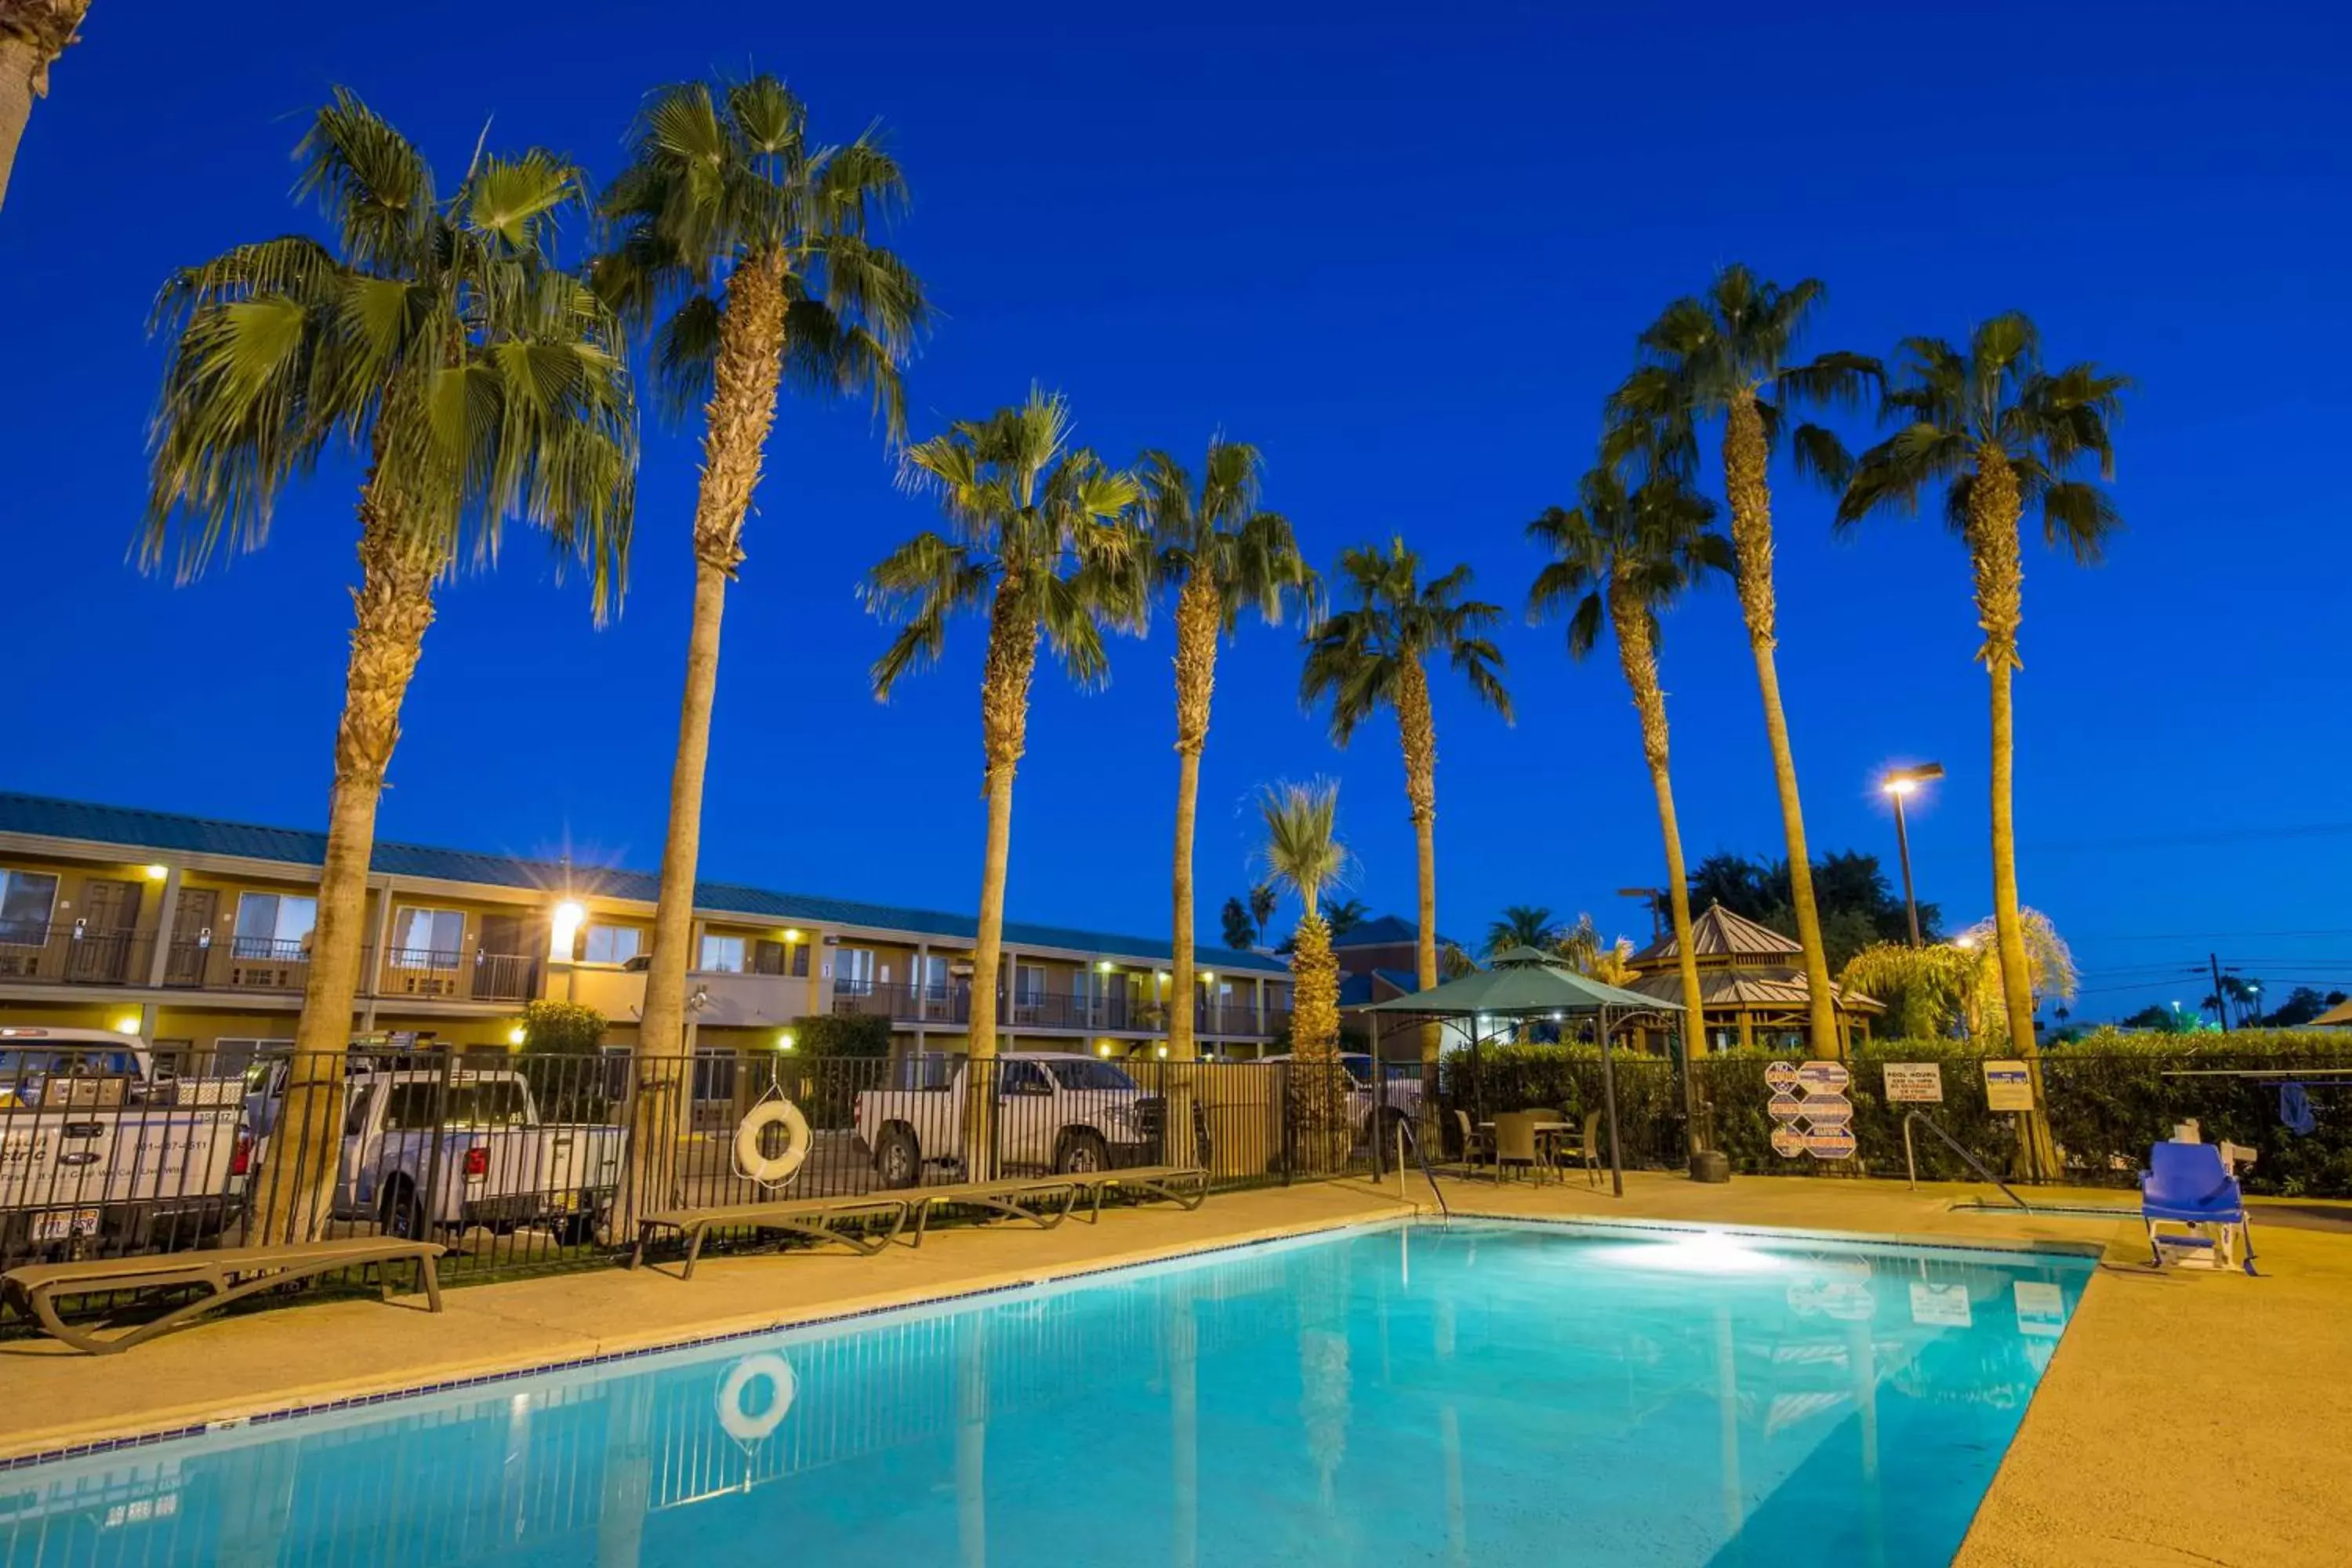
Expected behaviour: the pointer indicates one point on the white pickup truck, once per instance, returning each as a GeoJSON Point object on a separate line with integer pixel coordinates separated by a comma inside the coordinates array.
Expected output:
{"type": "Point", "coordinates": [1399, 1097]}
{"type": "Point", "coordinates": [447, 1147]}
{"type": "Point", "coordinates": [1054, 1111]}
{"type": "Point", "coordinates": [100, 1150]}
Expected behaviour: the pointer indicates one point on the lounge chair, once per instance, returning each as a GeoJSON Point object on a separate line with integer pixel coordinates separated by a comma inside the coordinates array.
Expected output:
{"type": "Point", "coordinates": [1028, 1197]}
{"type": "Point", "coordinates": [2189, 1186]}
{"type": "Point", "coordinates": [812, 1217]}
{"type": "Point", "coordinates": [1474, 1143]}
{"type": "Point", "coordinates": [225, 1275]}
{"type": "Point", "coordinates": [1187, 1186]}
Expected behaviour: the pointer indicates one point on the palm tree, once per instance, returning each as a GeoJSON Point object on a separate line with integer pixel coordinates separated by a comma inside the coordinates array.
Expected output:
{"type": "Point", "coordinates": [1263, 901]}
{"type": "Point", "coordinates": [1375, 654]}
{"type": "Point", "coordinates": [754, 250]}
{"type": "Point", "coordinates": [1522, 925]}
{"type": "Point", "coordinates": [1303, 852]}
{"type": "Point", "coordinates": [33, 34]}
{"type": "Point", "coordinates": [1345, 916]}
{"type": "Point", "coordinates": [1998, 433]}
{"type": "Point", "coordinates": [1039, 539]}
{"type": "Point", "coordinates": [1623, 557]}
{"type": "Point", "coordinates": [481, 383]}
{"type": "Point", "coordinates": [1221, 554]}
{"type": "Point", "coordinates": [1729, 353]}
{"type": "Point", "coordinates": [1240, 930]}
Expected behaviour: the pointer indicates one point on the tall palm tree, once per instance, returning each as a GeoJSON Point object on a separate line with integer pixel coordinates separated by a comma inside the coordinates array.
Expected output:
{"type": "Point", "coordinates": [481, 383]}
{"type": "Point", "coordinates": [1302, 851]}
{"type": "Point", "coordinates": [1039, 538]}
{"type": "Point", "coordinates": [1730, 353]}
{"type": "Point", "coordinates": [1621, 558]}
{"type": "Point", "coordinates": [1522, 925]}
{"type": "Point", "coordinates": [1375, 654]}
{"type": "Point", "coordinates": [754, 250]}
{"type": "Point", "coordinates": [33, 34]}
{"type": "Point", "coordinates": [1996, 432]}
{"type": "Point", "coordinates": [1263, 901]}
{"type": "Point", "coordinates": [1221, 554]}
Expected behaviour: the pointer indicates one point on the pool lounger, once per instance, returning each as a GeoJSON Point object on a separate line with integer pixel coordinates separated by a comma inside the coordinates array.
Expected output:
{"type": "Point", "coordinates": [811, 1218]}
{"type": "Point", "coordinates": [1030, 1197]}
{"type": "Point", "coordinates": [226, 1275]}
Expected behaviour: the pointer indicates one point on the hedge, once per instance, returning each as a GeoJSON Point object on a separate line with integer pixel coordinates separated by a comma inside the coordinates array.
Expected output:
{"type": "Point", "coordinates": [2110, 1095]}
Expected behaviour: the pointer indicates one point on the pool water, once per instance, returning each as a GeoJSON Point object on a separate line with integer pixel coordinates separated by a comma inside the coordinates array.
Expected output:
{"type": "Point", "coordinates": [1411, 1394]}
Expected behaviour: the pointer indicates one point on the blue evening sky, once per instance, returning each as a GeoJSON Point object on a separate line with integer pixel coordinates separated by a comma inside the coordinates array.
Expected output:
{"type": "Point", "coordinates": [1404, 251]}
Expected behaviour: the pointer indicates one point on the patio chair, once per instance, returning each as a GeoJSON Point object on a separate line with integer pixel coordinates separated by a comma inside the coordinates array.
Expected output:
{"type": "Point", "coordinates": [1475, 1143]}
{"type": "Point", "coordinates": [1586, 1152]}
{"type": "Point", "coordinates": [1516, 1142]}
{"type": "Point", "coordinates": [2189, 1186]}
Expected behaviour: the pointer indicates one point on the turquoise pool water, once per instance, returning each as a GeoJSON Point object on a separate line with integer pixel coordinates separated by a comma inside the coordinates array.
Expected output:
{"type": "Point", "coordinates": [1484, 1394]}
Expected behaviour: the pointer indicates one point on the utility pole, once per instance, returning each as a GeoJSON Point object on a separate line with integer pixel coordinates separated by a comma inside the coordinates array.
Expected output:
{"type": "Point", "coordinates": [2221, 1001]}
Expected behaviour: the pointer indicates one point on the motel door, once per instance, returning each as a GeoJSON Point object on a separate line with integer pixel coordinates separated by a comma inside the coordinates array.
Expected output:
{"type": "Point", "coordinates": [101, 950]}
{"type": "Point", "coordinates": [186, 965]}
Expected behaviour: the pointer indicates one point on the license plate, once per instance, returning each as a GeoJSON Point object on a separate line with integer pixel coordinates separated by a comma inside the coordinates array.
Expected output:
{"type": "Point", "coordinates": [57, 1225]}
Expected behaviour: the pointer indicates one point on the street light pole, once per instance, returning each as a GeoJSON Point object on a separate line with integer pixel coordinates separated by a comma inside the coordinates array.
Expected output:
{"type": "Point", "coordinates": [1902, 848]}
{"type": "Point", "coordinates": [1898, 783]}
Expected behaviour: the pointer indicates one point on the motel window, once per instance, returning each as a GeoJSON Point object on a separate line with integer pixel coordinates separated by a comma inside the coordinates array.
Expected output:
{"type": "Point", "coordinates": [273, 925]}
{"type": "Point", "coordinates": [1028, 984]}
{"type": "Point", "coordinates": [771, 957]}
{"type": "Point", "coordinates": [853, 971]}
{"type": "Point", "coordinates": [427, 939]}
{"type": "Point", "coordinates": [610, 944]}
{"type": "Point", "coordinates": [26, 899]}
{"type": "Point", "coordinates": [721, 955]}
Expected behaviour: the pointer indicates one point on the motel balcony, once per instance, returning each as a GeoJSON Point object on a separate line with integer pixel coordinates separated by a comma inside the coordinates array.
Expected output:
{"type": "Point", "coordinates": [72, 955]}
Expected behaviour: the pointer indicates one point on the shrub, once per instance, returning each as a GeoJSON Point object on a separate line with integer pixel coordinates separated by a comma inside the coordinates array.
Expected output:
{"type": "Point", "coordinates": [562, 1028]}
{"type": "Point", "coordinates": [834, 1035]}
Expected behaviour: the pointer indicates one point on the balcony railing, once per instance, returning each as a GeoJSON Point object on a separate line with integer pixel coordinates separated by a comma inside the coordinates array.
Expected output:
{"type": "Point", "coordinates": [1048, 1009]}
{"type": "Point", "coordinates": [59, 954]}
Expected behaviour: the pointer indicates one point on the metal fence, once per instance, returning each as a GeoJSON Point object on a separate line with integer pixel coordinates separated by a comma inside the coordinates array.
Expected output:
{"type": "Point", "coordinates": [519, 1161]}
{"type": "Point", "coordinates": [2106, 1109]}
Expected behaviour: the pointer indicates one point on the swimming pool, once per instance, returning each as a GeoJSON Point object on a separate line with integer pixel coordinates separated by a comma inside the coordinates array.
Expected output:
{"type": "Point", "coordinates": [1486, 1392]}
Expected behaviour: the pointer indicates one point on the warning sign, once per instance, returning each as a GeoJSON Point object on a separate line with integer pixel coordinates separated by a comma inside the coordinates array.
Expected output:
{"type": "Point", "coordinates": [1810, 1111]}
{"type": "Point", "coordinates": [1915, 1083]}
{"type": "Point", "coordinates": [2007, 1087]}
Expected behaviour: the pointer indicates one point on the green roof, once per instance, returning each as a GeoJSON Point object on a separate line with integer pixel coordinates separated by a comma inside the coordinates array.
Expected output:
{"type": "Point", "coordinates": [165, 833]}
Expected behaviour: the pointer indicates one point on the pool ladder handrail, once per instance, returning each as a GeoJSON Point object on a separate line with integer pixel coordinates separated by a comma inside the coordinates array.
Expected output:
{"type": "Point", "coordinates": [1911, 1163]}
{"type": "Point", "coordinates": [1407, 1134]}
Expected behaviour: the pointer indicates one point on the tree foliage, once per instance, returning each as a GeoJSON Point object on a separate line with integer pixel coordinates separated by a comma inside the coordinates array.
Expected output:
{"type": "Point", "coordinates": [1858, 905]}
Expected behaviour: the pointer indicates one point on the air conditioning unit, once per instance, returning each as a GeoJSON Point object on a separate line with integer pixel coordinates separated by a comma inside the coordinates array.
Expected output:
{"type": "Point", "coordinates": [259, 976]}
{"type": "Point", "coordinates": [428, 985]}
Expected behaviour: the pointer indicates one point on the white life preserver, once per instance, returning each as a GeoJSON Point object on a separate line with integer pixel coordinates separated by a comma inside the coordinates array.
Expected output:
{"type": "Point", "coordinates": [767, 1366]}
{"type": "Point", "coordinates": [759, 1167]}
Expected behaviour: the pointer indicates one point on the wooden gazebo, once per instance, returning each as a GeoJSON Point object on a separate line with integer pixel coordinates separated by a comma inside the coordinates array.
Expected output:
{"type": "Point", "coordinates": [1751, 984]}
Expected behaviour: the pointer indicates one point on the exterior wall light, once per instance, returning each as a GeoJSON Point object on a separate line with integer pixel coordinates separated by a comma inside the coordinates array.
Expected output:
{"type": "Point", "coordinates": [517, 1036]}
{"type": "Point", "coordinates": [157, 873]}
{"type": "Point", "coordinates": [785, 1041]}
{"type": "Point", "coordinates": [127, 1025]}
{"type": "Point", "coordinates": [565, 929]}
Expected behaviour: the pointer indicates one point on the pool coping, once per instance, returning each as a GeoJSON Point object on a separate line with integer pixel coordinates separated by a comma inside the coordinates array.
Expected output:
{"type": "Point", "coordinates": [231, 1417]}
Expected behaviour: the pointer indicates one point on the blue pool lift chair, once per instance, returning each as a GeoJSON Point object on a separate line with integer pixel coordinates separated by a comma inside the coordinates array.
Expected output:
{"type": "Point", "coordinates": [2189, 1186]}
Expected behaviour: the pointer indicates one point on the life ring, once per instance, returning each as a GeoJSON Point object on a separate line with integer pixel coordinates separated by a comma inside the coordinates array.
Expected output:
{"type": "Point", "coordinates": [771, 1368]}
{"type": "Point", "coordinates": [751, 1163]}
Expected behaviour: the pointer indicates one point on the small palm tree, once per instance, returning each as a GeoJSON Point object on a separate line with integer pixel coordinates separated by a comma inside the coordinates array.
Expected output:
{"type": "Point", "coordinates": [1263, 901]}
{"type": "Point", "coordinates": [1522, 925]}
{"type": "Point", "coordinates": [1239, 931]}
{"type": "Point", "coordinates": [1303, 852]}
{"type": "Point", "coordinates": [33, 34]}
{"type": "Point", "coordinates": [1620, 559]}
{"type": "Point", "coordinates": [1730, 353]}
{"type": "Point", "coordinates": [1039, 539]}
{"type": "Point", "coordinates": [1221, 554]}
{"type": "Point", "coordinates": [482, 384]}
{"type": "Point", "coordinates": [753, 248]}
{"type": "Point", "coordinates": [1996, 432]}
{"type": "Point", "coordinates": [1375, 654]}
{"type": "Point", "coordinates": [1345, 916]}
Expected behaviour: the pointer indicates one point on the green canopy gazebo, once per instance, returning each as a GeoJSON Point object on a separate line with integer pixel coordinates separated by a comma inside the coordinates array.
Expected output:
{"type": "Point", "coordinates": [1525, 984]}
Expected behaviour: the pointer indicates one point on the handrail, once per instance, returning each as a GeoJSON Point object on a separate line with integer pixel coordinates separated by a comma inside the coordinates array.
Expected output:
{"type": "Point", "coordinates": [1912, 1164]}
{"type": "Point", "coordinates": [1405, 1133]}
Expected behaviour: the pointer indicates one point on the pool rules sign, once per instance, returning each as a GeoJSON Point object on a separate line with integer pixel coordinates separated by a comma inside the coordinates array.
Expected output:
{"type": "Point", "coordinates": [1810, 1113]}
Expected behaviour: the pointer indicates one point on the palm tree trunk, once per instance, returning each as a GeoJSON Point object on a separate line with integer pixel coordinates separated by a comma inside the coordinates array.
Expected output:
{"type": "Point", "coordinates": [1004, 722]}
{"type": "Point", "coordinates": [1197, 616]}
{"type": "Point", "coordinates": [1319, 1113]}
{"type": "Point", "coordinates": [41, 30]}
{"type": "Point", "coordinates": [1994, 506]}
{"type": "Point", "coordinates": [1744, 456]}
{"type": "Point", "coordinates": [1418, 730]}
{"type": "Point", "coordinates": [741, 410]}
{"type": "Point", "coordinates": [393, 606]}
{"type": "Point", "coordinates": [1640, 659]}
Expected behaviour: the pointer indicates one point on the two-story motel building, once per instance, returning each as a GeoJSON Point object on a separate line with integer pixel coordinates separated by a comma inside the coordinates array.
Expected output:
{"type": "Point", "coordinates": [194, 932]}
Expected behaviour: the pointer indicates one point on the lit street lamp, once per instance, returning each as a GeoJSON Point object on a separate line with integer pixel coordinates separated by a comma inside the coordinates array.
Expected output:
{"type": "Point", "coordinates": [1898, 784]}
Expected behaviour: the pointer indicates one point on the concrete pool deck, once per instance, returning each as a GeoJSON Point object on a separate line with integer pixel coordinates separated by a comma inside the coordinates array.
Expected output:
{"type": "Point", "coordinates": [2240, 1388]}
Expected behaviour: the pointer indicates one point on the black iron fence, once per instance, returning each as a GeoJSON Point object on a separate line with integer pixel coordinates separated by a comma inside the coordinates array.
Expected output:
{"type": "Point", "coordinates": [521, 1162]}
{"type": "Point", "coordinates": [2106, 1109]}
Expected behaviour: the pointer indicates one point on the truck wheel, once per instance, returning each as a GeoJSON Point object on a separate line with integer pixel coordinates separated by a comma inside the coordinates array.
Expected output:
{"type": "Point", "coordinates": [898, 1162]}
{"type": "Point", "coordinates": [400, 1215]}
{"type": "Point", "coordinates": [1083, 1152]}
